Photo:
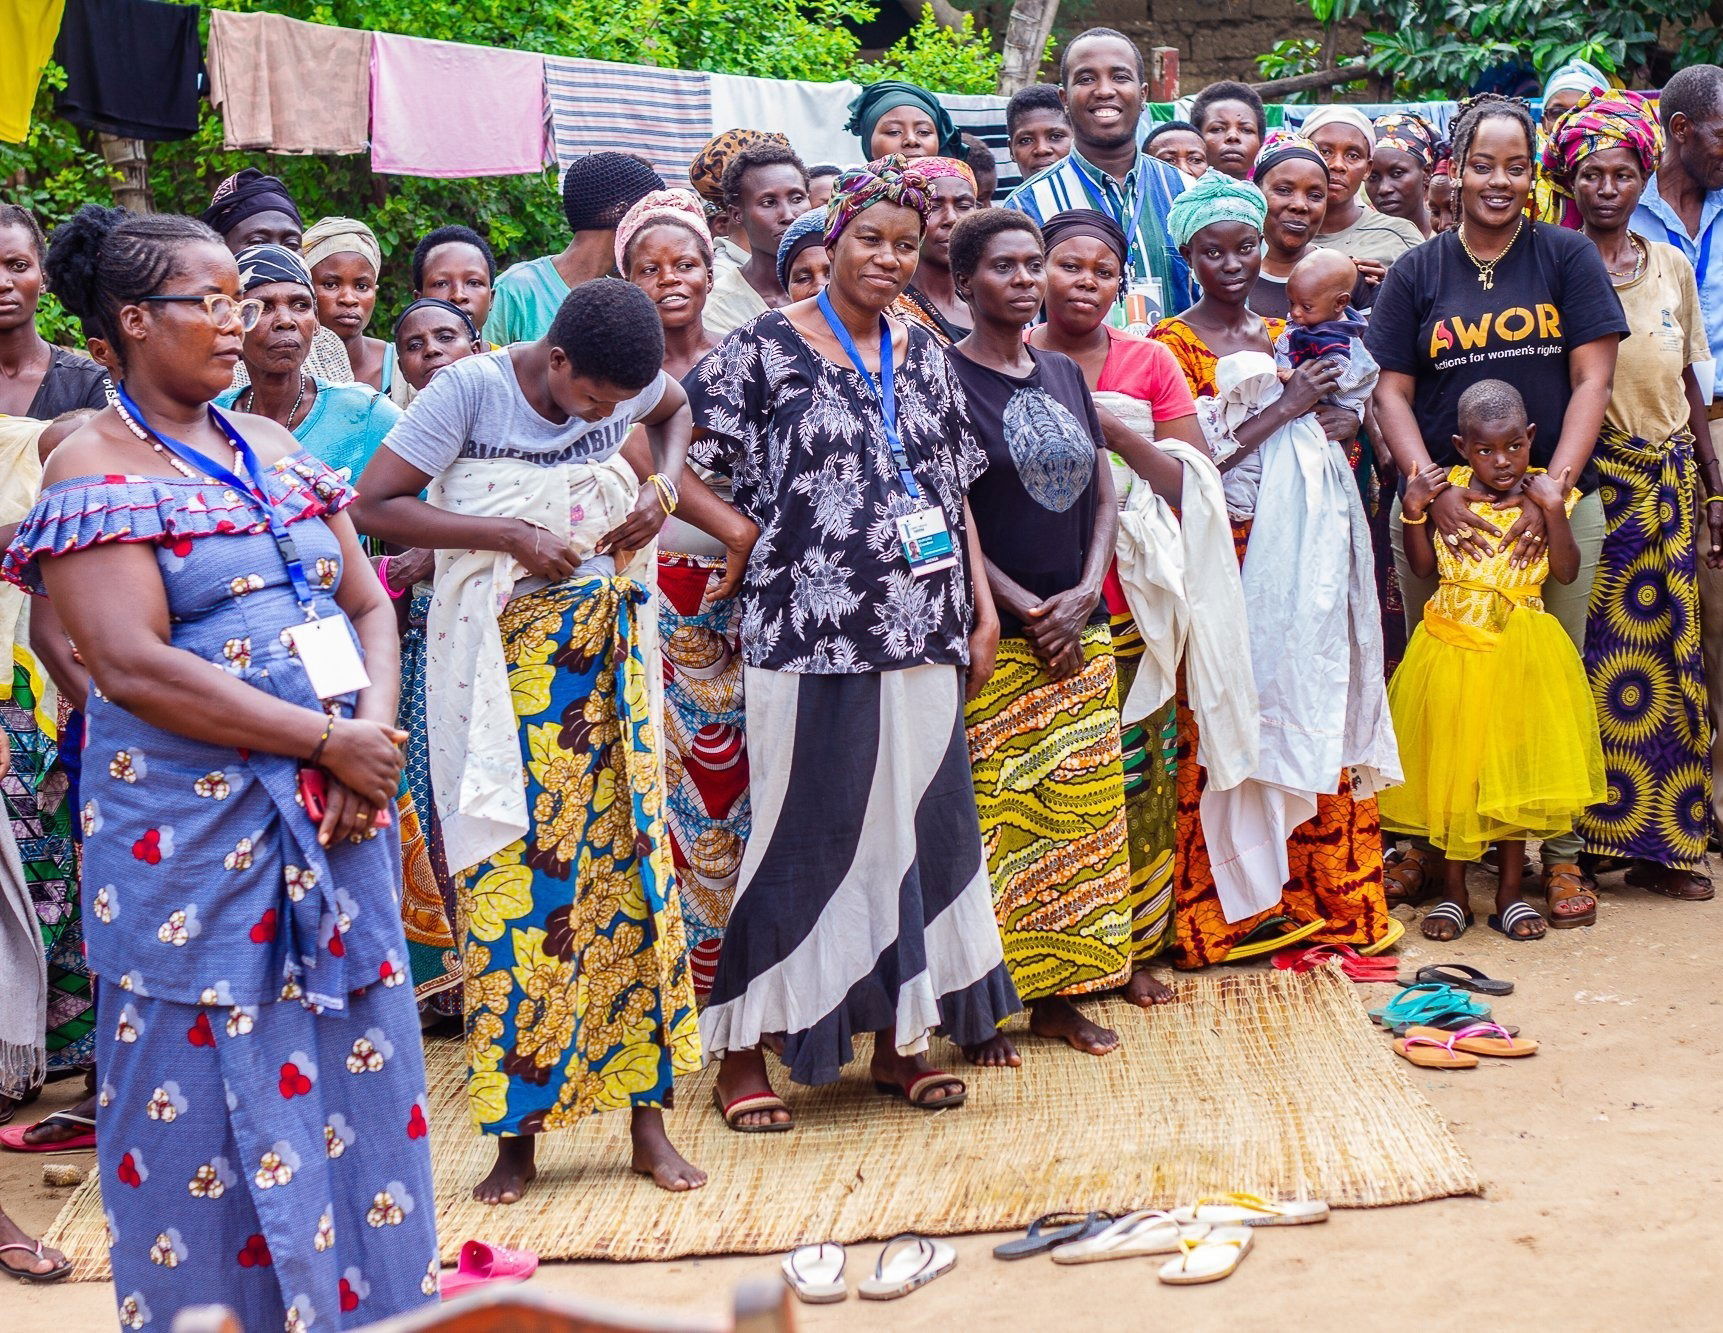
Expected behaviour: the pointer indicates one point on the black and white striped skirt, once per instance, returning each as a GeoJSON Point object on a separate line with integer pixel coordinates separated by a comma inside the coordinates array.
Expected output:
{"type": "Point", "coordinates": [863, 903]}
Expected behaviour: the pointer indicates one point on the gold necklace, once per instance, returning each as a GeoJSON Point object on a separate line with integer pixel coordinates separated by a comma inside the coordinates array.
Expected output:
{"type": "Point", "coordinates": [1487, 271]}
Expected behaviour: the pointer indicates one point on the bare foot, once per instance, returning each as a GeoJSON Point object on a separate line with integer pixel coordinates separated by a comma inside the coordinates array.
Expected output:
{"type": "Point", "coordinates": [656, 1156]}
{"type": "Point", "coordinates": [1145, 989]}
{"type": "Point", "coordinates": [743, 1074]}
{"type": "Point", "coordinates": [511, 1175]}
{"type": "Point", "coordinates": [17, 1261]}
{"type": "Point", "coordinates": [900, 1071]}
{"type": "Point", "coordinates": [60, 1131]}
{"type": "Point", "coordinates": [1058, 1017]}
{"type": "Point", "coordinates": [996, 1052]}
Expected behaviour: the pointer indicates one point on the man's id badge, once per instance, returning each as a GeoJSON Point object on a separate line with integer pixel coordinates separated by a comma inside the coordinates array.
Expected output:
{"type": "Point", "coordinates": [327, 652]}
{"type": "Point", "coordinates": [1142, 306]}
{"type": "Point", "coordinates": [926, 541]}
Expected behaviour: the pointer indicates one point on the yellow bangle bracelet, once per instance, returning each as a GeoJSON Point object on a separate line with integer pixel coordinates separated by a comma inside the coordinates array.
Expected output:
{"type": "Point", "coordinates": [1413, 522]}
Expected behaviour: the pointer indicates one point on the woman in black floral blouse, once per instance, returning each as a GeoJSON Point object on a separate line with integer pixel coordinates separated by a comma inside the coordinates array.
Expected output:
{"type": "Point", "coordinates": [863, 903]}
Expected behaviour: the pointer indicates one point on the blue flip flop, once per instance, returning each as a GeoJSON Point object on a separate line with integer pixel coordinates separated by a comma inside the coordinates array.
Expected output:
{"type": "Point", "coordinates": [1053, 1229]}
{"type": "Point", "coordinates": [1427, 998]}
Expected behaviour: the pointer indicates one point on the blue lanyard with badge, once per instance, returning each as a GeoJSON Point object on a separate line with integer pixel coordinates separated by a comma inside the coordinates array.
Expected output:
{"type": "Point", "coordinates": [1703, 371]}
{"type": "Point", "coordinates": [922, 533]}
{"type": "Point", "coordinates": [324, 644]}
{"type": "Point", "coordinates": [1140, 293]}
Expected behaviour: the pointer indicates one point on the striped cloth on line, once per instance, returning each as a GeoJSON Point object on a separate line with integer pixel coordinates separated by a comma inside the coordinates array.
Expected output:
{"type": "Point", "coordinates": [983, 115]}
{"type": "Point", "coordinates": [664, 115]}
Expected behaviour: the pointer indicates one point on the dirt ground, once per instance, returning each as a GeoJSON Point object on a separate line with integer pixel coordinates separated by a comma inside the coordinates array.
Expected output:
{"type": "Point", "coordinates": [1602, 1163]}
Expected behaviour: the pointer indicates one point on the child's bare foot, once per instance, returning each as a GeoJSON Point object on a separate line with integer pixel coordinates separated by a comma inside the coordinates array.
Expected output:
{"type": "Point", "coordinates": [1146, 990]}
{"type": "Point", "coordinates": [511, 1175]}
{"type": "Point", "coordinates": [997, 1052]}
{"type": "Point", "coordinates": [656, 1156]}
{"type": "Point", "coordinates": [743, 1074]}
{"type": "Point", "coordinates": [1057, 1017]}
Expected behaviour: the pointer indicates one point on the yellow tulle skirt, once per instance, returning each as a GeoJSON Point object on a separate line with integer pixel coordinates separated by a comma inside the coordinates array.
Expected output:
{"type": "Point", "coordinates": [1498, 743]}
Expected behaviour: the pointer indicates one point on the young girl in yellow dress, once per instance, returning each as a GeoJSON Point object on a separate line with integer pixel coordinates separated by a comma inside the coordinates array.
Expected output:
{"type": "Point", "coordinates": [1498, 732]}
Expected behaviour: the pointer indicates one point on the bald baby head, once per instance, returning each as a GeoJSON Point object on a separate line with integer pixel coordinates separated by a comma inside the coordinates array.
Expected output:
{"type": "Point", "coordinates": [1320, 287]}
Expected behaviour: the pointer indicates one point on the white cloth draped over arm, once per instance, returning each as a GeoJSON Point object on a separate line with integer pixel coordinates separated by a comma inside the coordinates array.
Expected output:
{"type": "Point", "coordinates": [1315, 652]}
{"type": "Point", "coordinates": [477, 769]}
{"type": "Point", "coordinates": [1168, 564]}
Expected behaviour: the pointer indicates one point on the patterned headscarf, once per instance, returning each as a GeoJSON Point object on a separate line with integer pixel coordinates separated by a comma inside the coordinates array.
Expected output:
{"type": "Point", "coordinates": [937, 168]}
{"type": "Point", "coordinates": [889, 180]}
{"type": "Point", "coordinates": [681, 207]}
{"type": "Point", "coordinates": [706, 174]}
{"type": "Point", "coordinates": [872, 103]}
{"type": "Point", "coordinates": [243, 194]}
{"type": "Point", "coordinates": [260, 265]}
{"type": "Point", "coordinates": [1284, 146]}
{"type": "Point", "coordinates": [1600, 120]}
{"type": "Point", "coordinates": [809, 229]}
{"type": "Point", "coordinates": [1215, 197]}
{"type": "Point", "coordinates": [340, 236]}
{"type": "Point", "coordinates": [1410, 133]}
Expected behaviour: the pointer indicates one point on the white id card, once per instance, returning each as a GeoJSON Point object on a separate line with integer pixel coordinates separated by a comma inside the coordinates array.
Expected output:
{"type": "Point", "coordinates": [926, 541]}
{"type": "Point", "coordinates": [1142, 306]}
{"type": "Point", "coordinates": [1706, 373]}
{"type": "Point", "coordinates": [328, 654]}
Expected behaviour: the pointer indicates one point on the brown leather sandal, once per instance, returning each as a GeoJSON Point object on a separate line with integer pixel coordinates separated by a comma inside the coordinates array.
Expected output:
{"type": "Point", "coordinates": [1563, 881]}
{"type": "Point", "coordinates": [1695, 885]}
{"type": "Point", "coordinates": [1410, 878]}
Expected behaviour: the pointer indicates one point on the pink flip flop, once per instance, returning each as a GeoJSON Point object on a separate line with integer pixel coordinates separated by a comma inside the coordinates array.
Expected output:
{"type": "Point", "coordinates": [12, 1137]}
{"type": "Point", "coordinates": [481, 1265]}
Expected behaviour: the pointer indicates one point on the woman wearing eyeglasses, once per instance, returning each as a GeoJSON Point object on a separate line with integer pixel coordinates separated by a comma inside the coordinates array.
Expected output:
{"type": "Point", "coordinates": [342, 424]}
{"type": "Point", "coordinates": [261, 1118]}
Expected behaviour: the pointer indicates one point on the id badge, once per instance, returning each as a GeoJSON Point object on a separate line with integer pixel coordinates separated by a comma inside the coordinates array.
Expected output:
{"type": "Point", "coordinates": [926, 541]}
{"type": "Point", "coordinates": [1142, 306]}
{"type": "Point", "coordinates": [1706, 373]}
{"type": "Point", "coordinates": [327, 652]}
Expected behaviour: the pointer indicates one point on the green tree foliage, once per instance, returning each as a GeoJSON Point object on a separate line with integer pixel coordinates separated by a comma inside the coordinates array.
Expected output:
{"type": "Point", "coordinates": [1435, 47]}
{"type": "Point", "coordinates": [58, 169]}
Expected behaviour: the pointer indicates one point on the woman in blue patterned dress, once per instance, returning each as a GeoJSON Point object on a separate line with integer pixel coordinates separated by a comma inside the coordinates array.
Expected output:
{"type": "Point", "coordinates": [262, 1108]}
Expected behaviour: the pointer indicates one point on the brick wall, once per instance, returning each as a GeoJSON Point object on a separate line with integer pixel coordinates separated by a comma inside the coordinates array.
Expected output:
{"type": "Point", "coordinates": [1217, 39]}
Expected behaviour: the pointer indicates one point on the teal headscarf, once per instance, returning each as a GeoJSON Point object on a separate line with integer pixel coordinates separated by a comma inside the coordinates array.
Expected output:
{"type": "Point", "coordinates": [876, 99]}
{"type": "Point", "coordinates": [1216, 197]}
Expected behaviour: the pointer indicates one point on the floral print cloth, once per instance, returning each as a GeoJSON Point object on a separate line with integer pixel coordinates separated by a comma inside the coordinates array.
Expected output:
{"type": "Point", "coordinates": [576, 976]}
{"type": "Point", "coordinates": [254, 1021]}
{"type": "Point", "coordinates": [828, 588]}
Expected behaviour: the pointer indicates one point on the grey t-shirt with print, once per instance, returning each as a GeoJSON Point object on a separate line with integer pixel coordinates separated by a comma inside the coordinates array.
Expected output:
{"type": "Point", "coordinates": [476, 409]}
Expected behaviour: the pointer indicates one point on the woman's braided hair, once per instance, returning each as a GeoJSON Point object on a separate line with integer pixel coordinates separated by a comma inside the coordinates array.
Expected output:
{"type": "Point", "coordinates": [1474, 111]}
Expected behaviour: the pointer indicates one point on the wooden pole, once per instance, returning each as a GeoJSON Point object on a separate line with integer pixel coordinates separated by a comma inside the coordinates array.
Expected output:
{"type": "Point", "coordinates": [1026, 34]}
{"type": "Point", "coordinates": [1163, 74]}
{"type": "Point", "coordinates": [131, 158]}
{"type": "Point", "coordinates": [1304, 83]}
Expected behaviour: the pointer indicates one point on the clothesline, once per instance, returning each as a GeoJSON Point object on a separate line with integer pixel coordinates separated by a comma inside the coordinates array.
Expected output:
{"type": "Point", "coordinates": [292, 87]}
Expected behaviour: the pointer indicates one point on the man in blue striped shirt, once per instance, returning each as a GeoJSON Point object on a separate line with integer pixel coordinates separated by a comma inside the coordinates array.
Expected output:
{"type": "Point", "coordinates": [1101, 82]}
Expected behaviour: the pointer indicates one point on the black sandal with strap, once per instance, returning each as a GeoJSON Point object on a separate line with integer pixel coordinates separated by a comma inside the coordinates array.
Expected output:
{"type": "Point", "coordinates": [1517, 912]}
{"type": "Point", "coordinates": [1417, 864]}
{"type": "Point", "coordinates": [1450, 911]}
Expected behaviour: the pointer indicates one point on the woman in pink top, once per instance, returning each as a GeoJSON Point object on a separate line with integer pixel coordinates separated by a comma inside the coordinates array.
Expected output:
{"type": "Point", "coordinates": [1086, 253]}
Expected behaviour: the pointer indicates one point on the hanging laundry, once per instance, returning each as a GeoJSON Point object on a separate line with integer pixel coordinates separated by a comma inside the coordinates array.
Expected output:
{"type": "Point", "coordinates": [449, 110]}
{"type": "Point", "coordinates": [27, 29]}
{"type": "Point", "coordinates": [812, 114]}
{"type": "Point", "coordinates": [665, 115]}
{"type": "Point", "coordinates": [287, 86]}
{"type": "Point", "coordinates": [983, 115]}
{"type": "Point", "coordinates": [133, 68]}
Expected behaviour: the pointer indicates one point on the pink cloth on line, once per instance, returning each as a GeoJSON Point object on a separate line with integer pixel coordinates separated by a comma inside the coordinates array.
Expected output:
{"type": "Point", "coordinates": [449, 110]}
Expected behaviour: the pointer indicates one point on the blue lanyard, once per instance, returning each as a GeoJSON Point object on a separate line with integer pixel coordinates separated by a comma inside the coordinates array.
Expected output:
{"type": "Point", "coordinates": [253, 489]}
{"type": "Point", "coordinates": [883, 391]}
{"type": "Point", "coordinates": [1704, 264]}
{"type": "Point", "coordinates": [1134, 229]}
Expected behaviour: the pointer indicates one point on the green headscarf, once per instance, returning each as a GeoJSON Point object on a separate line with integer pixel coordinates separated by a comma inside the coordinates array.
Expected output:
{"type": "Point", "coordinates": [876, 99]}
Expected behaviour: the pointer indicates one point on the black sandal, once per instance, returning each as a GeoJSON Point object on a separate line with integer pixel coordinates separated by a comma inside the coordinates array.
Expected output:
{"type": "Point", "coordinates": [1518, 912]}
{"type": "Point", "coordinates": [1450, 911]}
{"type": "Point", "coordinates": [1041, 1237]}
{"type": "Point", "coordinates": [52, 1275]}
{"type": "Point", "coordinates": [1461, 977]}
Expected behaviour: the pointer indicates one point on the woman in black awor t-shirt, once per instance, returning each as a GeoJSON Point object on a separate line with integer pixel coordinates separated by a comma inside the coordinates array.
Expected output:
{"type": "Point", "coordinates": [1499, 297]}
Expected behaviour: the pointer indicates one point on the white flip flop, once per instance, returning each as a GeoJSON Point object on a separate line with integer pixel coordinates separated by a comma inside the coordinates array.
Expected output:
{"type": "Point", "coordinates": [1208, 1259]}
{"type": "Point", "coordinates": [1248, 1210]}
{"type": "Point", "coordinates": [1145, 1232]}
{"type": "Point", "coordinates": [816, 1272]}
{"type": "Point", "coordinates": [907, 1262]}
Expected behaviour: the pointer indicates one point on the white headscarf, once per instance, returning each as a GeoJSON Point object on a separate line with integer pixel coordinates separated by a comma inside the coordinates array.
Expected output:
{"type": "Point", "coordinates": [1349, 116]}
{"type": "Point", "coordinates": [1576, 76]}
